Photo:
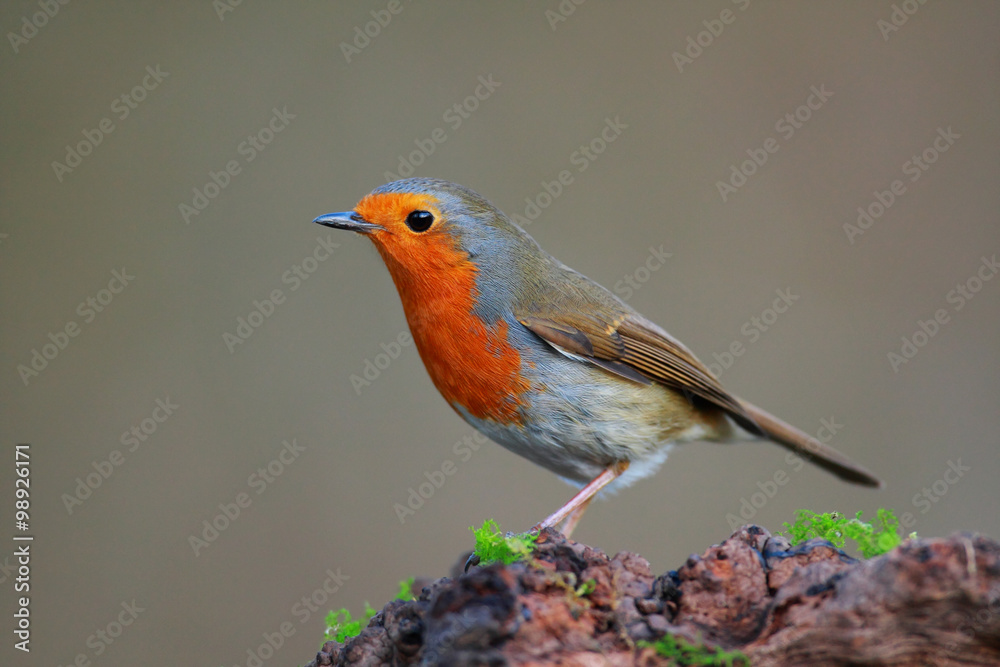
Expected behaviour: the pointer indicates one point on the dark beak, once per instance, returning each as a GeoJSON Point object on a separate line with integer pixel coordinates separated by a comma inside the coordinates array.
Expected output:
{"type": "Point", "coordinates": [348, 220]}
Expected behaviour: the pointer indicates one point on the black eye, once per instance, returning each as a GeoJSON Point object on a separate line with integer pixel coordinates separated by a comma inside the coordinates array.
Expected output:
{"type": "Point", "coordinates": [419, 221]}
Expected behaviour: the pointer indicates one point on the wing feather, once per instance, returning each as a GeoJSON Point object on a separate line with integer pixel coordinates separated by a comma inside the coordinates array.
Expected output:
{"type": "Point", "coordinates": [629, 346]}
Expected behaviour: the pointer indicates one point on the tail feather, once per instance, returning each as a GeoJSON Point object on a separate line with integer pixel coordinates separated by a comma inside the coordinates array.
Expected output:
{"type": "Point", "coordinates": [810, 448]}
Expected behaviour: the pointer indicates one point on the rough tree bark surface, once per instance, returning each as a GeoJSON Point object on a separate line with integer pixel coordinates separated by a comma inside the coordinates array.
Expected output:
{"type": "Point", "coordinates": [928, 602]}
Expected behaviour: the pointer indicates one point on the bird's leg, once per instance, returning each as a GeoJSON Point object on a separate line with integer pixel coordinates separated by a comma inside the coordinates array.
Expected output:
{"type": "Point", "coordinates": [574, 518]}
{"type": "Point", "coordinates": [579, 502]}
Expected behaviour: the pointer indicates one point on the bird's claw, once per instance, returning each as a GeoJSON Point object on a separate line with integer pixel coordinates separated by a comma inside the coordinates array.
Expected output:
{"type": "Point", "coordinates": [472, 561]}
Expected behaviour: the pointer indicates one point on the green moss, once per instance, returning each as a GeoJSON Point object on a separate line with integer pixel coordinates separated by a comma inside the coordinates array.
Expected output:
{"type": "Point", "coordinates": [492, 546]}
{"type": "Point", "coordinates": [406, 590]}
{"type": "Point", "coordinates": [340, 626]}
{"type": "Point", "coordinates": [873, 539]}
{"type": "Point", "coordinates": [683, 653]}
{"type": "Point", "coordinates": [586, 588]}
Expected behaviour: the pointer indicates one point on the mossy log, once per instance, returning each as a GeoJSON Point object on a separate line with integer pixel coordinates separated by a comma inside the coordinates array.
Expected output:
{"type": "Point", "coordinates": [927, 602]}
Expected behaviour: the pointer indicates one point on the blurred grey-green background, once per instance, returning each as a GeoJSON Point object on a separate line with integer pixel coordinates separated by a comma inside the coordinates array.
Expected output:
{"type": "Point", "coordinates": [843, 100]}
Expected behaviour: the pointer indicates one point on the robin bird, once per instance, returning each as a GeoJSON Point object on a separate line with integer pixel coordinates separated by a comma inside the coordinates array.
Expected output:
{"type": "Point", "coordinates": [543, 360]}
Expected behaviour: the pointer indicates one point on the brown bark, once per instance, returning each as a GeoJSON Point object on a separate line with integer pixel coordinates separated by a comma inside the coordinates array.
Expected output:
{"type": "Point", "coordinates": [929, 601]}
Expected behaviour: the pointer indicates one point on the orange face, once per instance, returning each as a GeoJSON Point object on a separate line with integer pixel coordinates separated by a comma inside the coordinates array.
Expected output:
{"type": "Point", "coordinates": [470, 361]}
{"type": "Point", "coordinates": [399, 244]}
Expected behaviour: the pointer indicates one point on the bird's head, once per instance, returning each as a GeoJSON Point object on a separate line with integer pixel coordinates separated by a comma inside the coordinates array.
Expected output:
{"type": "Point", "coordinates": [435, 236]}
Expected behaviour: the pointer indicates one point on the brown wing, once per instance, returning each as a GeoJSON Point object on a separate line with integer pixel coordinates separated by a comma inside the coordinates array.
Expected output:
{"type": "Point", "coordinates": [633, 348]}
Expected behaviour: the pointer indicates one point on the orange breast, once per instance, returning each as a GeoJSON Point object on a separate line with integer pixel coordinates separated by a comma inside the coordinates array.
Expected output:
{"type": "Point", "coordinates": [472, 365]}
{"type": "Point", "coordinates": [470, 361]}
